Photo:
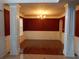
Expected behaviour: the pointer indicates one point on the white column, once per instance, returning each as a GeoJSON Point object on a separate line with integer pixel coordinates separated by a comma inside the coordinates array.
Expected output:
{"type": "Point", "coordinates": [14, 41]}
{"type": "Point", "coordinates": [69, 30]}
{"type": "Point", "coordinates": [2, 35]}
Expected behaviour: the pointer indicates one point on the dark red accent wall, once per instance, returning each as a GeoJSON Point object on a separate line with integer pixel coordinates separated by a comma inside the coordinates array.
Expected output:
{"type": "Point", "coordinates": [77, 24]}
{"type": "Point", "coordinates": [40, 25]}
{"type": "Point", "coordinates": [7, 22]}
{"type": "Point", "coordinates": [63, 27]}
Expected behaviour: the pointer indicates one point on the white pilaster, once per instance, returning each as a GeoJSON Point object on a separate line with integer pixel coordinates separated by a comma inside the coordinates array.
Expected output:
{"type": "Point", "coordinates": [18, 19]}
{"type": "Point", "coordinates": [60, 29]}
{"type": "Point", "coordinates": [2, 35]}
{"type": "Point", "coordinates": [14, 41]}
{"type": "Point", "coordinates": [69, 30]}
{"type": "Point", "coordinates": [60, 25]}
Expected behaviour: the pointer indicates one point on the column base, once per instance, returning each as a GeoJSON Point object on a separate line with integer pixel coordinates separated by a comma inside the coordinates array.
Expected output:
{"type": "Point", "coordinates": [14, 54]}
{"type": "Point", "coordinates": [68, 55]}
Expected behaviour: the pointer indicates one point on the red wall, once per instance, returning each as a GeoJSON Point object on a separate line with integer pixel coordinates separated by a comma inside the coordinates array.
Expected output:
{"type": "Point", "coordinates": [40, 25]}
{"type": "Point", "coordinates": [63, 19]}
{"type": "Point", "coordinates": [77, 24]}
{"type": "Point", "coordinates": [7, 22]}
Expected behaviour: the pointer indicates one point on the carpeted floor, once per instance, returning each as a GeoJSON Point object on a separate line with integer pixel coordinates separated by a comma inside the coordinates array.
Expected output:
{"type": "Point", "coordinates": [50, 47]}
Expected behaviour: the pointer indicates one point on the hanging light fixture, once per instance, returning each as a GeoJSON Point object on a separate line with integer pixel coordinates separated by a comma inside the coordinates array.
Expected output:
{"type": "Point", "coordinates": [41, 16]}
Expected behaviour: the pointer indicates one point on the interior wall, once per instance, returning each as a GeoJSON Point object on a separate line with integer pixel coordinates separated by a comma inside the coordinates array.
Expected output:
{"type": "Point", "coordinates": [35, 24]}
{"type": "Point", "coordinates": [7, 22]}
{"type": "Point", "coordinates": [41, 29]}
{"type": "Point", "coordinates": [42, 35]}
{"type": "Point", "coordinates": [63, 20]}
{"type": "Point", "coordinates": [51, 32]}
{"type": "Point", "coordinates": [40, 25]}
{"type": "Point", "coordinates": [77, 24]}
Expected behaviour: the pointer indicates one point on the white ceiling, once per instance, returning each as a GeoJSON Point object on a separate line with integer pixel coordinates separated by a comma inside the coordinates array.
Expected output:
{"type": "Point", "coordinates": [53, 10]}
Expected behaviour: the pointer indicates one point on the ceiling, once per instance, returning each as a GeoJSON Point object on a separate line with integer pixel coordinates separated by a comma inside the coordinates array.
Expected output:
{"type": "Point", "coordinates": [47, 9]}
{"type": "Point", "coordinates": [55, 10]}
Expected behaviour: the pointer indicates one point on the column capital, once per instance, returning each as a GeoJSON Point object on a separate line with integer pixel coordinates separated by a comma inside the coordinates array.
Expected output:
{"type": "Point", "coordinates": [72, 4]}
{"type": "Point", "coordinates": [14, 6]}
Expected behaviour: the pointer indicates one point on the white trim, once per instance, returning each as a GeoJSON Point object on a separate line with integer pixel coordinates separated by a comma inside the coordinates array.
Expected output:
{"type": "Point", "coordinates": [31, 1]}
